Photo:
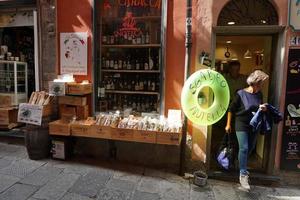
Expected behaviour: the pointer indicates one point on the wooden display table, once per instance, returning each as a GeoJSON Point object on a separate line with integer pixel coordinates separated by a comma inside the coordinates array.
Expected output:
{"type": "Point", "coordinates": [90, 130]}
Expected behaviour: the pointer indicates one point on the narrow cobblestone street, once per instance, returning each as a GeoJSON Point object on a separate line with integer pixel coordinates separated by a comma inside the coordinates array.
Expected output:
{"type": "Point", "coordinates": [21, 178]}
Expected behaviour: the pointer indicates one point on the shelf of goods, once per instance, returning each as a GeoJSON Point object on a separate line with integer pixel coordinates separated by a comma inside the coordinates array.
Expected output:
{"type": "Point", "coordinates": [91, 130]}
{"type": "Point", "coordinates": [130, 60]}
{"type": "Point", "coordinates": [13, 81]}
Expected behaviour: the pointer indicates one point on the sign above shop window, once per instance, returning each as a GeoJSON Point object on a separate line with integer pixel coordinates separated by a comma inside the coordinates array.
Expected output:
{"type": "Point", "coordinates": [294, 14]}
{"type": "Point", "coordinates": [141, 3]}
{"type": "Point", "coordinates": [128, 27]}
{"type": "Point", "coordinates": [73, 53]}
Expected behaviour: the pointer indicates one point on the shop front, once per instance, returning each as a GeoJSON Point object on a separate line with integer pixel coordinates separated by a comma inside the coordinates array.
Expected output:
{"type": "Point", "coordinates": [256, 34]}
{"type": "Point", "coordinates": [134, 61]}
{"type": "Point", "coordinates": [18, 57]}
{"type": "Point", "coordinates": [126, 64]}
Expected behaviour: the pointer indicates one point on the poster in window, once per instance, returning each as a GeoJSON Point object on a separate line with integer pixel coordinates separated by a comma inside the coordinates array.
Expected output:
{"type": "Point", "coordinates": [73, 53]}
{"type": "Point", "coordinates": [290, 159]}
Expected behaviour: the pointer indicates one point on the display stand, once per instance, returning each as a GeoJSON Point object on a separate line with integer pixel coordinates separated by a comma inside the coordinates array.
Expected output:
{"type": "Point", "coordinates": [13, 81]}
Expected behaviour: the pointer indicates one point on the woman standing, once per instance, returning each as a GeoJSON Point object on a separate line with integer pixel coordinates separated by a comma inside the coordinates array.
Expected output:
{"type": "Point", "coordinates": [246, 102]}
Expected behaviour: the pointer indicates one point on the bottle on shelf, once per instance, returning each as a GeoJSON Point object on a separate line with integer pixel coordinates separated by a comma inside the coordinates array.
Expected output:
{"type": "Point", "coordinates": [137, 65]}
{"type": "Point", "coordinates": [142, 39]}
{"type": "Point", "coordinates": [147, 38]}
{"type": "Point", "coordinates": [107, 61]}
{"type": "Point", "coordinates": [116, 65]}
{"type": "Point", "coordinates": [151, 63]}
{"type": "Point", "coordinates": [111, 63]}
{"type": "Point", "coordinates": [112, 39]}
{"type": "Point", "coordinates": [128, 63]}
{"type": "Point", "coordinates": [130, 39]}
{"type": "Point", "coordinates": [139, 40]}
{"type": "Point", "coordinates": [101, 90]}
{"type": "Point", "coordinates": [145, 85]}
{"type": "Point", "coordinates": [103, 62]}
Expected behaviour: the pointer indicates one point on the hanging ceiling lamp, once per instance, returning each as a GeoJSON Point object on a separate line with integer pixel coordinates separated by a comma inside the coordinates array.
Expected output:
{"type": "Point", "coordinates": [248, 54]}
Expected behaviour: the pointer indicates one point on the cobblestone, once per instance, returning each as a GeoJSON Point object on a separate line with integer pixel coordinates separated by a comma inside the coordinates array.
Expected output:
{"type": "Point", "coordinates": [21, 178]}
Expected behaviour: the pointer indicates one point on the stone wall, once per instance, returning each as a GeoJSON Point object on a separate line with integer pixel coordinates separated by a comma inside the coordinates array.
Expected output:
{"type": "Point", "coordinates": [47, 41]}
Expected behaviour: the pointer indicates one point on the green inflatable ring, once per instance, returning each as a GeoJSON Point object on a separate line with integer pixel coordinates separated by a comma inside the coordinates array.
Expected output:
{"type": "Point", "coordinates": [190, 92]}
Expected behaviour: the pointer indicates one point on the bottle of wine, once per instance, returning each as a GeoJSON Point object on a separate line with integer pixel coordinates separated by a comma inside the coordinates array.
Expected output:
{"type": "Point", "coordinates": [147, 38]}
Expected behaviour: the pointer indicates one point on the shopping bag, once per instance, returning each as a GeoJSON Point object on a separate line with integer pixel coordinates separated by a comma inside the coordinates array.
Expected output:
{"type": "Point", "coordinates": [225, 155]}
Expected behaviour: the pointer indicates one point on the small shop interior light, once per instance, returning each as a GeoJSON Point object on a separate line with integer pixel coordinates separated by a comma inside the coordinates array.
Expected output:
{"type": "Point", "coordinates": [263, 21]}
{"type": "Point", "coordinates": [248, 54]}
{"type": "Point", "coordinates": [228, 41]}
{"type": "Point", "coordinates": [231, 23]}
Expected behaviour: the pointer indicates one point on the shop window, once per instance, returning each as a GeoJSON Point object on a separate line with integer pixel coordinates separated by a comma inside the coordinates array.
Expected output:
{"type": "Point", "coordinates": [17, 56]}
{"type": "Point", "coordinates": [243, 13]}
{"type": "Point", "coordinates": [129, 56]}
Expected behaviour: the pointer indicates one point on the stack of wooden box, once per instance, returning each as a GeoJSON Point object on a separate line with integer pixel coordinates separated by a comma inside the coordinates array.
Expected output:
{"type": "Point", "coordinates": [8, 113]}
{"type": "Point", "coordinates": [72, 106]}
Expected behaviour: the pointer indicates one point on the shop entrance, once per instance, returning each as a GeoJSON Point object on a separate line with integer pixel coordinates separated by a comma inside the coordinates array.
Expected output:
{"type": "Point", "coordinates": [252, 52]}
{"type": "Point", "coordinates": [248, 32]}
{"type": "Point", "coordinates": [18, 56]}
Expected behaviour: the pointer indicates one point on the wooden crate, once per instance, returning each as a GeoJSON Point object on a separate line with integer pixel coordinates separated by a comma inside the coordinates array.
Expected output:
{"type": "Point", "coordinates": [81, 129]}
{"type": "Point", "coordinates": [122, 134]}
{"type": "Point", "coordinates": [8, 116]}
{"type": "Point", "coordinates": [60, 127]}
{"type": "Point", "coordinates": [72, 100]}
{"type": "Point", "coordinates": [168, 138]}
{"type": "Point", "coordinates": [103, 132]}
{"type": "Point", "coordinates": [10, 126]}
{"type": "Point", "coordinates": [67, 112]}
{"type": "Point", "coordinates": [79, 89]}
{"type": "Point", "coordinates": [47, 110]}
{"type": "Point", "coordinates": [82, 112]}
{"type": "Point", "coordinates": [144, 136]}
{"type": "Point", "coordinates": [5, 101]}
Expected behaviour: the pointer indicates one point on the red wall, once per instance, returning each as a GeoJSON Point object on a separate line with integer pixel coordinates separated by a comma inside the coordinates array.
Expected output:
{"type": "Point", "coordinates": [75, 17]}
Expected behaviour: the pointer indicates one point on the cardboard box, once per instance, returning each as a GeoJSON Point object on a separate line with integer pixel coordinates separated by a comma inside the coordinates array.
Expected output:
{"type": "Point", "coordinates": [79, 89]}
{"type": "Point", "coordinates": [144, 136]}
{"type": "Point", "coordinates": [168, 138]}
{"type": "Point", "coordinates": [8, 115]}
{"type": "Point", "coordinates": [5, 101]}
{"type": "Point", "coordinates": [72, 100]}
{"type": "Point", "coordinates": [82, 128]}
{"type": "Point", "coordinates": [103, 132]}
{"type": "Point", "coordinates": [60, 127]}
{"type": "Point", "coordinates": [122, 134]}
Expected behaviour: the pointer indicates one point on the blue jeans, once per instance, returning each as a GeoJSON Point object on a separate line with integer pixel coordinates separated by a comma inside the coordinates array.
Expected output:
{"type": "Point", "coordinates": [247, 141]}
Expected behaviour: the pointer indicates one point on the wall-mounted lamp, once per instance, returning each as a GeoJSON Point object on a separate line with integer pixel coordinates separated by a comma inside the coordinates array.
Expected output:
{"type": "Point", "coordinates": [248, 54]}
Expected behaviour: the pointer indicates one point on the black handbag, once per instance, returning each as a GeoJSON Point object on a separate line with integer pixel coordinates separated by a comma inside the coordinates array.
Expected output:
{"type": "Point", "coordinates": [226, 153]}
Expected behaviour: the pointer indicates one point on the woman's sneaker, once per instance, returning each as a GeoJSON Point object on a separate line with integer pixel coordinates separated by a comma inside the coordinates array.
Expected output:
{"type": "Point", "coordinates": [244, 181]}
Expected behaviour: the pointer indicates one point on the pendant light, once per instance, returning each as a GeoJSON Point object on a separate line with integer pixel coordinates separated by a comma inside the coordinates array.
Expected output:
{"type": "Point", "coordinates": [248, 54]}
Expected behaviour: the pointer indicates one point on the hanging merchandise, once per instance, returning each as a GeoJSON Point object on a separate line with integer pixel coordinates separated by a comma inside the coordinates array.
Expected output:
{"type": "Point", "coordinates": [194, 93]}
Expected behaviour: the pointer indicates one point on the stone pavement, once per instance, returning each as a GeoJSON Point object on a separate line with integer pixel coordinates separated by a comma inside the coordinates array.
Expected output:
{"type": "Point", "coordinates": [21, 178]}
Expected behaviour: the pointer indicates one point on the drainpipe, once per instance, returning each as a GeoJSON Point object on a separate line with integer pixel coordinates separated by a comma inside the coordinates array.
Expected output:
{"type": "Point", "coordinates": [188, 49]}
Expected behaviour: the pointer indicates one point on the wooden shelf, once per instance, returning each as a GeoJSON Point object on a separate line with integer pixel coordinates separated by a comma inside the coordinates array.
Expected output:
{"type": "Point", "coordinates": [132, 46]}
{"type": "Point", "coordinates": [131, 92]}
{"type": "Point", "coordinates": [294, 46]}
{"type": "Point", "coordinates": [130, 71]}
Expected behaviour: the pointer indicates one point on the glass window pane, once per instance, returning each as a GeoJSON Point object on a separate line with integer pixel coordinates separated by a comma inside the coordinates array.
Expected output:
{"type": "Point", "coordinates": [129, 68]}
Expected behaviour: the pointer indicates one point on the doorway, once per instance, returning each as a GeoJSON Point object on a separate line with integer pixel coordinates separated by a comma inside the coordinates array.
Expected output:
{"type": "Point", "coordinates": [18, 41]}
{"type": "Point", "coordinates": [252, 52]}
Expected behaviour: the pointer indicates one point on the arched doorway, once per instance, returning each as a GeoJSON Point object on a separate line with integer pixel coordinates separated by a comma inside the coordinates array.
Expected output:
{"type": "Point", "coordinates": [248, 13]}
{"type": "Point", "coordinates": [247, 31]}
